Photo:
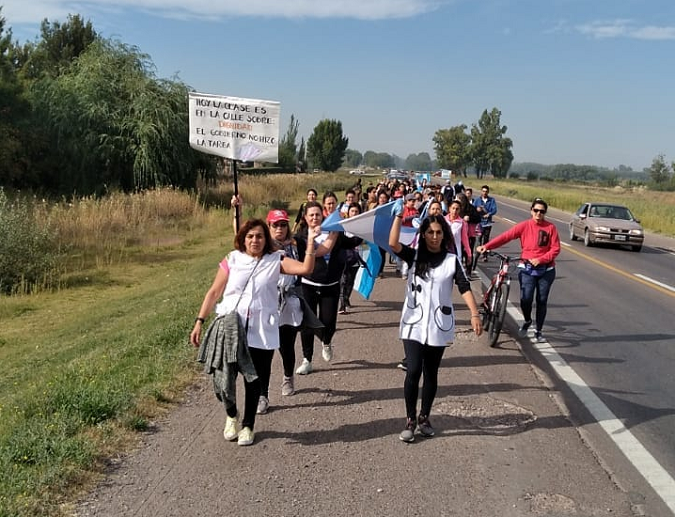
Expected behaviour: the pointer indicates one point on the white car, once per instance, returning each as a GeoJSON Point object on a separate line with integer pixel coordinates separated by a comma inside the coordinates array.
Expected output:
{"type": "Point", "coordinates": [357, 172]}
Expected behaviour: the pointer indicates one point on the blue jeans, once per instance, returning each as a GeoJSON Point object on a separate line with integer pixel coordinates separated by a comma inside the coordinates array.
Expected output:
{"type": "Point", "coordinates": [528, 285]}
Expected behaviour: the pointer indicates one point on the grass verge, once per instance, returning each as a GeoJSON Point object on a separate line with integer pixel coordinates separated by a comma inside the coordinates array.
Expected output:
{"type": "Point", "coordinates": [85, 369]}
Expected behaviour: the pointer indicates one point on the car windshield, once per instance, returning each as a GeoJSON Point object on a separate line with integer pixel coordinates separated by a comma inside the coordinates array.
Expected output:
{"type": "Point", "coordinates": [611, 212]}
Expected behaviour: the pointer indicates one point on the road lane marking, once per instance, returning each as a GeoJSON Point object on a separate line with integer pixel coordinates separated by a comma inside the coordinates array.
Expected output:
{"type": "Point", "coordinates": [657, 477]}
{"type": "Point", "coordinates": [646, 278]}
{"type": "Point", "coordinates": [631, 276]}
{"type": "Point", "coordinates": [651, 470]}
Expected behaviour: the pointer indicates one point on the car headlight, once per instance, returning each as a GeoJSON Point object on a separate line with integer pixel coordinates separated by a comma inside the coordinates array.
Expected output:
{"type": "Point", "coordinates": [602, 228]}
{"type": "Point", "coordinates": [636, 232]}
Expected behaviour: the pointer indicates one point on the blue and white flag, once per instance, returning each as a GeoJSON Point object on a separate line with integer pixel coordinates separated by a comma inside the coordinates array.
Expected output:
{"type": "Point", "coordinates": [371, 260]}
{"type": "Point", "coordinates": [372, 226]}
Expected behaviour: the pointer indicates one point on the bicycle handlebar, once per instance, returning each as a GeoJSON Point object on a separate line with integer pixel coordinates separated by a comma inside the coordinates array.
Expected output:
{"type": "Point", "coordinates": [506, 258]}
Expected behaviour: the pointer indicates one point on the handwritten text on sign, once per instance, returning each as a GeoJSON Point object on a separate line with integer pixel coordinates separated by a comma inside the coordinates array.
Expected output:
{"type": "Point", "coordinates": [235, 128]}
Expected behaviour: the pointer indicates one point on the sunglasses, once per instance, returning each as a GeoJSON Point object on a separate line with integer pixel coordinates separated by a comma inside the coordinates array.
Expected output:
{"type": "Point", "coordinates": [280, 224]}
{"type": "Point", "coordinates": [539, 210]}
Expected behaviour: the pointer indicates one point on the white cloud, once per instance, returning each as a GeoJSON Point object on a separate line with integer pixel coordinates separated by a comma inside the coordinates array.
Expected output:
{"type": "Point", "coordinates": [33, 11]}
{"type": "Point", "coordinates": [654, 33]}
{"type": "Point", "coordinates": [625, 29]}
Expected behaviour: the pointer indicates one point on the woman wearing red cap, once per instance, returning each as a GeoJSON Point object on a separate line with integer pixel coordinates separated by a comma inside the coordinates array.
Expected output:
{"type": "Point", "coordinates": [291, 314]}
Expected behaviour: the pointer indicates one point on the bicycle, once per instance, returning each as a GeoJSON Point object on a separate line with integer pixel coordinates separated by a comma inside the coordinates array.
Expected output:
{"type": "Point", "coordinates": [496, 299]}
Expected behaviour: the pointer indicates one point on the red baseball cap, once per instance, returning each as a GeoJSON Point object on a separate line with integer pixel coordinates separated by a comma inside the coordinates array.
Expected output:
{"type": "Point", "coordinates": [274, 216]}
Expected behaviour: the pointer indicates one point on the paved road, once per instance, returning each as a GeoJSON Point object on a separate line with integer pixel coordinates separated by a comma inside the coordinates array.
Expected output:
{"type": "Point", "coordinates": [503, 445]}
{"type": "Point", "coordinates": [613, 325]}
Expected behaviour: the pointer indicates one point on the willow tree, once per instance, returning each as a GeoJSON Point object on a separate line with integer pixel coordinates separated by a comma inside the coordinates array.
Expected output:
{"type": "Point", "coordinates": [114, 124]}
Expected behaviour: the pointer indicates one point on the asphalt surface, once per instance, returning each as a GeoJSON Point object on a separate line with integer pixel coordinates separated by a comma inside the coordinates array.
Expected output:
{"type": "Point", "coordinates": [614, 328]}
{"type": "Point", "coordinates": [503, 444]}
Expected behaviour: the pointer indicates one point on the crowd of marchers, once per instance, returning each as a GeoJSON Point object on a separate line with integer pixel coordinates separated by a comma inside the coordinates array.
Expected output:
{"type": "Point", "coordinates": [283, 279]}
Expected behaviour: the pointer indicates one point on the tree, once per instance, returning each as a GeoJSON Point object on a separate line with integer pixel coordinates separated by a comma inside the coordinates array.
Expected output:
{"type": "Point", "coordinates": [453, 149]}
{"type": "Point", "coordinates": [326, 146]}
{"type": "Point", "coordinates": [59, 46]}
{"type": "Point", "coordinates": [353, 158]}
{"type": "Point", "coordinates": [13, 110]}
{"type": "Point", "coordinates": [490, 149]}
{"type": "Point", "coordinates": [418, 162]}
{"type": "Point", "coordinates": [112, 123]}
{"type": "Point", "coordinates": [302, 156]}
{"type": "Point", "coordinates": [660, 171]}
{"type": "Point", "coordinates": [288, 146]}
{"type": "Point", "coordinates": [378, 160]}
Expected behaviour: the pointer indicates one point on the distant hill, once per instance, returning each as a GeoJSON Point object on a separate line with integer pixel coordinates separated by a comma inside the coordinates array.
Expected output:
{"type": "Point", "coordinates": [570, 171]}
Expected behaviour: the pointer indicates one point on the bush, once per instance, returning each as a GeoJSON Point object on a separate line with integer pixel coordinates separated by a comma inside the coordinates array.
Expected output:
{"type": "Point", "coordinates": [28, 254]}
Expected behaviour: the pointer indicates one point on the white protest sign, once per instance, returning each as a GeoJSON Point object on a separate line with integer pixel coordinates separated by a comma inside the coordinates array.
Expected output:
{"type": "Point", "coordinates": [235, 128]}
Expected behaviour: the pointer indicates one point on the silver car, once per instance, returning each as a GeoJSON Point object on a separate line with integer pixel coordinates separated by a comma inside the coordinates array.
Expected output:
{"type": "Point", "coordinates": [606, 223]}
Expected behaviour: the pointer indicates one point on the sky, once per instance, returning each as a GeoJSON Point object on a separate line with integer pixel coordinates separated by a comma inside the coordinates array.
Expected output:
{"type": "Point", "coordinates": [588, 82]}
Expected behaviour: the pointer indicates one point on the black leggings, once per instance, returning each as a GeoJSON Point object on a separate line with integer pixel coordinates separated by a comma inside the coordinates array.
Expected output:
{"type": "Point", "coordinates": [287, 335]}
{"type": "Point", "coordinates": [347, 285]}
{"type": "Point", "coordinates": [323, 300]}
{"type": "Point", "coordinates": [421, 359]}
{"type": "Point", "coordinates": [262, 361]}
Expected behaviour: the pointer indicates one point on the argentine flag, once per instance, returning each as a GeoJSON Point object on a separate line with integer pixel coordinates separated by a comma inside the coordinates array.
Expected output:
{"type": "Point", "coordinates": [373, 227]}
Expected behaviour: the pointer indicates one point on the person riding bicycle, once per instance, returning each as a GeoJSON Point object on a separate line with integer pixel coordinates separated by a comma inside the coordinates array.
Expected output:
{"type": "Point", "coordinates": [540, 245]}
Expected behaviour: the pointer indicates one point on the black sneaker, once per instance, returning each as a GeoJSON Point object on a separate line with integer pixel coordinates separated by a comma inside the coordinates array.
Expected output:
{"type": "Point", "coordinates": [522, 331]}
{"type": "Point", "coordinates": [408, 434]}
{"type": "Point", "coordinates": [403, 365]}
{"type": "Point", "coordinates": [425, 426]}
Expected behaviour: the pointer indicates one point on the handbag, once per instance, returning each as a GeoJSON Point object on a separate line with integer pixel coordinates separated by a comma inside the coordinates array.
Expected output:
{"type": "Point", "coordinates": [225, 336]}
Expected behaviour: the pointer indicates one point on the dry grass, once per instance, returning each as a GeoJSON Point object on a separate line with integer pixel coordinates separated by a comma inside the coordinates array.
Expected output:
{"type": "Point", "coordinates": [656, 210]}
{"type": "Point", "coordinates": [106, 226]}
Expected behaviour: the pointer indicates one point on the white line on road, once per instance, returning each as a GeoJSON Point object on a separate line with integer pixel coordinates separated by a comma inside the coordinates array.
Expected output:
{"type": "Point", "coordinates": [665, 286]}
{"type": "Point", "coordinates": [657, 477]}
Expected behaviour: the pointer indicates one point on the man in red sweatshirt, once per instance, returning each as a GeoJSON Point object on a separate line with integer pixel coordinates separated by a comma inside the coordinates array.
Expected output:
{"type": "Point", "coordinates": [540, 245]}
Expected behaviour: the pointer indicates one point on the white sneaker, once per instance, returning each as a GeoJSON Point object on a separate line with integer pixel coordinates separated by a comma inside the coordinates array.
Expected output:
{"type": "Point", "coordinates": [246, 436]}
{"type": "Point", "coordinates": [231, 428]}
{"type": "Point", "coordinates": [304, 368]}
{"type": "Point", "coordinates": [327, 352]}
{"type": "Point", "coordinates": [263, 405]}
{"type": "Point", "coordinates": [288, 387]}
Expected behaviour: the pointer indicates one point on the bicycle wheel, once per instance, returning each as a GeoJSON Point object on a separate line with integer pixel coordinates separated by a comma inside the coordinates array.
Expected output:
{"type": "Point", "coordinates": [499, 313]}
{"type": "Point", "coordinates": [489, 314]}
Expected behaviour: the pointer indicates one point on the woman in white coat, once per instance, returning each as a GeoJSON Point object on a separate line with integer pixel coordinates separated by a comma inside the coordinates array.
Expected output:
{"type": "Point", "coordinates": [428, 320]}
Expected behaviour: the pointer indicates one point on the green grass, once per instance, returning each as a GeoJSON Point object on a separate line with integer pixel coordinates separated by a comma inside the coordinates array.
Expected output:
{"type": "Point", "coordinates": [84, 369]}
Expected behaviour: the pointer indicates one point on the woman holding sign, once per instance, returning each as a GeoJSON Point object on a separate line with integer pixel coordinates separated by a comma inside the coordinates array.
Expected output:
{"type": "Point", "coordinates": [245, 333]}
